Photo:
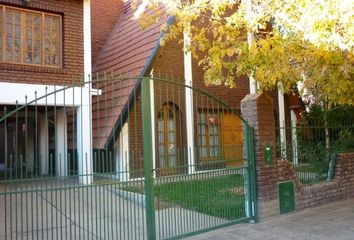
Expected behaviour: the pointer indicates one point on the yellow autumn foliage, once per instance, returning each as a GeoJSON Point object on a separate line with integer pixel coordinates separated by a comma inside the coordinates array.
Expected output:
{"type": "Point", "coordinates": [294, 41]}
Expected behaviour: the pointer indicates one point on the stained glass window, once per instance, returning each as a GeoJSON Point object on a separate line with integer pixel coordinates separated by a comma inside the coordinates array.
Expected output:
{"type": "Point", "coordinates": [30, 37]}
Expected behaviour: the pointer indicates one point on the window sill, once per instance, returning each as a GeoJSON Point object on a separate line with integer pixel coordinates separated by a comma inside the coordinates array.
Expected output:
{"type": "Point", "coordinates": [29, 68]}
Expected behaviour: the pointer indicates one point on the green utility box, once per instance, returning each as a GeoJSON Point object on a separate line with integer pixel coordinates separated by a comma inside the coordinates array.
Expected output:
{"type": "Point", "coordinates": [286, 192]}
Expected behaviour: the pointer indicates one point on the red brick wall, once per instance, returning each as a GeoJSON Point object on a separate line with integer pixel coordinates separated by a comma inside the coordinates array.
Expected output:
{"type": "Point", "coordinates": [257, 109]}
{"type": "Point", "coordinates": [287, 172]}
{"type": "Point", "coordinates": [136, 163]}
{"type": "Point", "coordinates": [341, 187]}
{"type": "Point", "coordinates": [104, 15]}
{"type": "Point", "coordinates": [232, 96]}
{"type": "Point", "coordinates": [73, 63]}
{"type": "Point", "coordinates": [170, 64]}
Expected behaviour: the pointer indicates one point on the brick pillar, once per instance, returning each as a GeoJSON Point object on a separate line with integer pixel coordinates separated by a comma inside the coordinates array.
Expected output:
{"type": "Point", "coordinates": [258, 110]}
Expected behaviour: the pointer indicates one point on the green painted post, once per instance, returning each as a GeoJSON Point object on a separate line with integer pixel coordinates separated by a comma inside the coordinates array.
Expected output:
{"type": "Point", "coordinates": [148, 167]}
{"type": "Point", "coordinates": [252, 160]}
{"type": "Point", "coordinates": [246, 141]}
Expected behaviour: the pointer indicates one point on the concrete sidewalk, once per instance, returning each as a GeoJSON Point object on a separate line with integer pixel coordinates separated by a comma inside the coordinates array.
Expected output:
{"type": "Point", "coordinates": [329, 222]}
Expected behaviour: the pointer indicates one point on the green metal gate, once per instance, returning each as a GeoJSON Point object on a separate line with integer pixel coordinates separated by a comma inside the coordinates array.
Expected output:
{"type": "Point", "coordinates": [154, 169]}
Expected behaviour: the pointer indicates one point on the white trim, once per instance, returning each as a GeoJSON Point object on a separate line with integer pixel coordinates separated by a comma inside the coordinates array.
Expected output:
{"type": "Point", "coordinates": [56, 95]}
{"type": "Point", "coordinates": [153, 121]}
{"type": "Point", "coordinates": [253, 85]}
{"type": "Point", "coordinates": [188, 76]}
{"type": "Point", "coordinates": [135, 179]}
{"type": "Point", "coordinates": [123, 159]}
{"type": "Point", "coordinates": [294, 137]}
{"type": "Point", "coordinates": [96, 92]}
{"type": "Point", "coordinates": [84, 112]}
{"type": "Point", "coordinates": [282, 125]}
{"type": "Point", "coordinates": [61, 143]}
{"type": "Point", "coordinates": [84, 143]}
{"type": "Point", "coordinates": [87, 40]}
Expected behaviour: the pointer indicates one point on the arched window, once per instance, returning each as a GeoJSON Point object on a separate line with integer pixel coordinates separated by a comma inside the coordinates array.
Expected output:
{"type": "Point", "coordinates": [168, 137]}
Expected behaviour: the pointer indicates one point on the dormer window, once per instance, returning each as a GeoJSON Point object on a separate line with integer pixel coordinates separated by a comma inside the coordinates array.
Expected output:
{"type": "Point", "coordinates": [30, 37]}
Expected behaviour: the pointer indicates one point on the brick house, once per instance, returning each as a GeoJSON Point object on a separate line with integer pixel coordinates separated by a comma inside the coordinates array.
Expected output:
{"type": "Point", "coordinates": [129, 49]}
{"type": "Point", "coordinates": [45, 45]}
{"type": "Point", "coordinates": [56, 120]}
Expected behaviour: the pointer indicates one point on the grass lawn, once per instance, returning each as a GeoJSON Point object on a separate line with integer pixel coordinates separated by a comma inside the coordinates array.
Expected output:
{"type": "Point", "coordinates": [309, 174]}
{"type": "Point", "coordinates": [216, 196]}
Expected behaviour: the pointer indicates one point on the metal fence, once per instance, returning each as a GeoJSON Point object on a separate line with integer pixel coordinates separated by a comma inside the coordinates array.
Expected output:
{"type": "Point", "coordinates": [114, 159]}
{"type": "Point", "coordinates": [313, 147]}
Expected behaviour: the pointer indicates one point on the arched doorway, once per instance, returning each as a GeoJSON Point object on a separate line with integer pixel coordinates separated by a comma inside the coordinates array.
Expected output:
{"type": "Point", "coordinates": [168, 139]}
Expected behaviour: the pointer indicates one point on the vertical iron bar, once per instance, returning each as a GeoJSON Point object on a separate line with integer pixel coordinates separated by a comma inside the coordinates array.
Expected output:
{"type": "Point", "coordinates": [46, 159]}
{"type": "Point", "coordinates": [35, 155]}
{"type": "Point", "coordinates": [147, 136]}
{"type": "Point", "coordinates": [5, 143]}
{"type": "Point", "coordinates": [106, 127]}
{"type": "Point", "coordinates": [98, 159]}
{"type": "Point", "coordinates": [11, 160]}
{"type": "Point", "coordinates": [6, 167]}
{"type": "Point", "coordinates": [82, 157]}
{"type": "Point", "coordinates": [16, 164]}
{"type": "Point", "coordinates": [65, 159]}
{"type": "Point", "coordinates": [27, 161]}
{"type": "Point", "coordinates": [26, 138]}
{"type": "Point", "coordinates": [74, 145]}
{"type": "Point", "coordinates": [252, 170]}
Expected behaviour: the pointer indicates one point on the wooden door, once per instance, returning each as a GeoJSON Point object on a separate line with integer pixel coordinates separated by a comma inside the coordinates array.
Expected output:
{"type": "Point", "coordinates": [232, 139]}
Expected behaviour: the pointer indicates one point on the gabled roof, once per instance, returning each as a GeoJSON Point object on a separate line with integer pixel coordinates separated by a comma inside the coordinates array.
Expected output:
{"type": "Point", "coordinates": [129, 49]}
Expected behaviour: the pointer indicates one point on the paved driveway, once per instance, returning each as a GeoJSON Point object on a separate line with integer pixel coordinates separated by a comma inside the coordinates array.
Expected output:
{"type": "Point", "coordinates": [86, 212]}
{"type": "Point", "coordinates": [330, 222]}
{"type": "Point", "coordinates": [96, 212]}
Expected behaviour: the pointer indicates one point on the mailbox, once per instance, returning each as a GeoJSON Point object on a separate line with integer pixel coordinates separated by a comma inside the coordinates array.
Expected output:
{"type": "Point", "coordinates": [268, 154]}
